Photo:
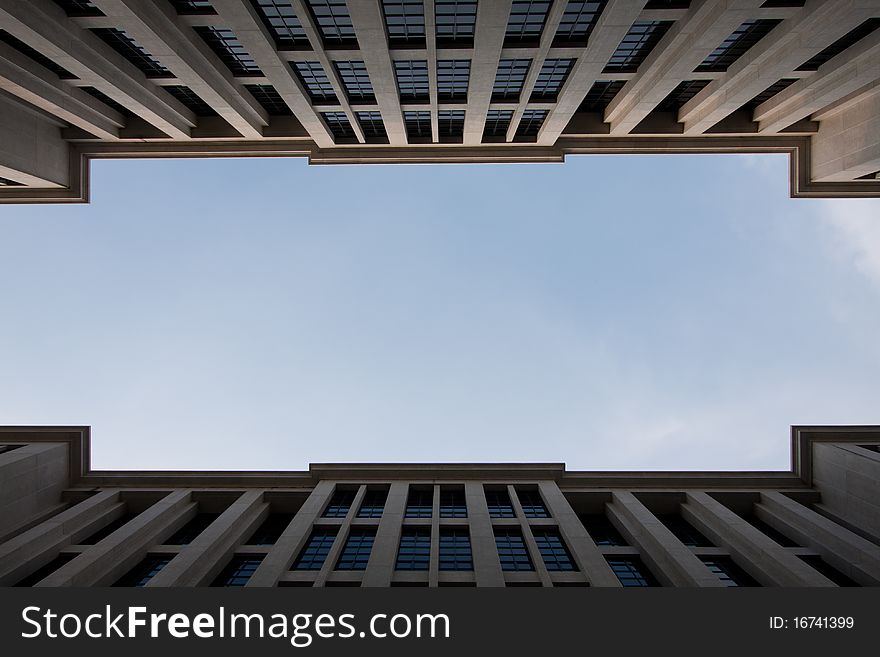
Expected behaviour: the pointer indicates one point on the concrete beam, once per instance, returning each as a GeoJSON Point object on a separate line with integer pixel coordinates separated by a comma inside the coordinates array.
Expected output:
{"type": "Point", "coordinates": [488, 42]}
{"type": "Point", "coordinates": [32, 151]}
{"type": "Point", "coordinates": [848, 143]}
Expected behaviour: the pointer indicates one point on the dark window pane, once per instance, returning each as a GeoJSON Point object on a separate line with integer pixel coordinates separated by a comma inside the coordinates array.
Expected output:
{"type": "Point", "coordinates": [143, 572]}
{"type": "Point", "coordinates": [270, 531]}
{"type": "Point", "coordinates": [372, 126]}
{"type": "Point", "coordinates": [356, 552]}
{"type": "Point", "coordinates": [681, 94]}
{"type": "Point", "coordinates": [450, 123]}
{"type": "Point", "coordinates": [684, 531]}
{"type": "Point", "coordinates": [108, 529]}
{"type": "Point", "coordinates": [316, 82]}
{"type": "Point", "coordinates": [373, 504]}
{"type": "Point", "coordinates": [728, 572]}
{"type": "Point", "coordinates": [191, 530]}
{"type": "Point", "coordinates": [601, 530]}
{"type": "Point", "coordinates": [356, 81]}
{"type": "Point", "coordinates": [637, 45]}
{"type": "Point", "coordinates": [342, 499]}
{"type": "Point", "coordinates": [315, 551]}
{"type": "Point", "coordinates": [405, 21]}
{"type": "Point", "coordinates": [270, 99]}
{"type": "Point", "coordinates": [229, 49]}
{"type": "Point", "coordinates": [497, 123]}
{"type": "Point", "coordinates": [414, 552]}
{"type": "Point", "coordinates": [550, 80]}
{"type": "Point", "coordinates": [455, 21]}
{"type": "Point", "coordinates": [577, 22]}
{"type": "Point", "coordinates": [452, 503]}
{"type": "Point", "coordinates": [191, 100]}
{"type": "Point", "coordinates": [79, 7]}
{"type": "Point", "coordinates": [238, 571]}
{"type": "Point", "coordinates": [499, 504]}
{"type": "Point", "coordinates": [333, 21]}
{"type": "Point", "coordinates": [530, 123]}
{"type": "Point", "coordinates": [455, 549]}
{"type": "Point", "coordinates": [509, 79]}
{"type": "Point", "coordinates": [825, 568]}
{"type": "Point", "coordinates": [453, 76]}
{"type": "Point", "coordinates": [526, 21]}
{"type": "Point", "coordinates": [418, 124]}
{"type": "Point", "coordinates": [849, 39]}
{"type": "Point", "coordinates": [341, 129]}
{"type": "Point", "coordinates": [419, 502]}
{"type": "Point", "coordinates": [553, 550]}
{"type": "Point", "coordinates": [631, 571]}
{"type": "Point", "coordinates": [44, 571]}
{"type": "Point", "coordinates": [282, 21]}
{"type": "Point", "coordinates": [37, 56]}
{"type": "Point", "coordinates": [193, 7]}
{"type": "Point", "coordinates": [737, 44]}
{"type": "Point", "coordinates": [600, 95]}
{"type": "Point", "coordinates": [512, 549]}
{"type": "Point", "coordinates": [134, 52]}
{"type": "Point", "coordinates": [412, 80]}
{"type": "Point", "coordinates": [531, 503]}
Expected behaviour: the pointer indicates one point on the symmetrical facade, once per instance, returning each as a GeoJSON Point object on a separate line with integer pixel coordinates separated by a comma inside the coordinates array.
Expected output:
{"type": "Point", "coordinates": [359, 81]}
{"type": "Point", "coordinates": [487, 525]}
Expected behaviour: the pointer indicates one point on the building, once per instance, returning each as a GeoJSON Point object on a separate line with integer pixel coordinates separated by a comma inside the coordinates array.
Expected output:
{"type": "Point", "coordinates": [489, 525]}
{"type": "Point", "coordinates": [360, 81]}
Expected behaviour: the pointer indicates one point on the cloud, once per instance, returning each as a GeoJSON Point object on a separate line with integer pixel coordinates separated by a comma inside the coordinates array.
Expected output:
{"type": "Point", "coordinates": [855, 234]}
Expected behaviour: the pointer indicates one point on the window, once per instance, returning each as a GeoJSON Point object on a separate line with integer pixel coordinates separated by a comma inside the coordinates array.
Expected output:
{"type": "Point", "coordinates": [452, 503]}
{"type": "Point", "coordinates": [455, 549]}
{"type": "Point", "coordinates": [134, 52]}
{"type": "Point", "coordinates": [684, 531]}
{"type": "Point", "coordinates": [849, 39]}
{"type": "Point", "coordinates": [526, 21]}
{"type": "Point", "coordinates": [44, 571]}
{"type": "Point", "coordinates": [550, 79]}
{"type": "Point", "coordinates": [769, 531]}
{"type": "Point", "coordinates": [601, 530]}
{"type": "Point", "coordinates": [509, 79]}
{"type": "Point", "coordinates": [281, 19]}
{"type": "Point", "coordinates": [512, 549]}
{"type": "Point", "coordinates": [340, 128]}
{"type": "Point", "coordinates": [373, 504]}
{"type": "Point", "coordinates": [680, 95]}
{"type": "Point", "coordinates": [191, 530]}
{"type": "Point", "coordinates": [577, 22]}
{"type": "Point", "coordinates": [736, 45]}
{"type": "Point", "coordinates": [229, 49]}
{"type": "Point", "coordinates": [107, 529]}
{"type": "Point", "coordinates": [418, 124]}
{"type": "Point", "coordinates": [769, 92]}
{"type": "Point", "coordinates": [341, 501]}
{"type": "Point", "coordinates": [531, 503]}
{"type": "Point", "coordinates": [356, 552]}
{"type": "Point", "coordinates": [405, 21]}
{"type": "Point", "coordinates": [372, 126]}
{"type": "Point", "coordinates": [79, 8]}
{"type": "Point", "coordinates": [193, 7]}
{"type": "Point", "coordinates": [38, 57]}
{"type": "Point", "coordinates": [728, 572]}
{"type": "Point", "coordinates": [497, 123]}
{"type": "Point", "coordinates": [600, 95]}
{"type": "Point", "coordinates": [455, 20]}
{"type": "Point", "coordinates": [104, 98]}
{"type": "Point", "coordinates": [333, 21]}
{"type": "Point", "coordinates": [316, 549]}
{"type": "Point", "coordinates": [818, 563]}
{"type": "Point", "coordinates": [636, 46]}
{"type": "Point", "coordinates": [631, 571]}
{"type": "Point", "coordinates": [499, 504]}
{"type": "Point", "coordinates": [270, 99]}
{"type": "Point", "coordinates": [450, 124]}
{"type": "Point", "coordinates": [553, 549]}
{"type": "Point", "coordinates": [414, 552]}
{"type": "Point", "coordinates": [270, 531]}
{"type": "Point", "coordinates": [412, 80]}
{"type": "Point", "coordinates": [356, 81]}
{"type": "Point", "coordinates": [190, 100]}
{"type": "Point", "coordinates": [453, 76]}
{"type": "Point", "coordinates": [144, 571]}
{"type": "Point", "coordinates": [530, 123]}
{"type": "Point", "coordinates": [419, 502]}
{"type": "Point", "coordinates": [238, 571]}
{"type": "Point", "coordinates": [316, 82]}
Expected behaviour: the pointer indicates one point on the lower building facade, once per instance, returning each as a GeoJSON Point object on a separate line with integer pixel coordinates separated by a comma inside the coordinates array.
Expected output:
{"type": "Point", "coordinates": [432, 525]}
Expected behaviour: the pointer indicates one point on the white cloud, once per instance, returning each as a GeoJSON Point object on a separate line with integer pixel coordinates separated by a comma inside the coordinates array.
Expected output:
{"type": "Point", "coordinates": [855, 233]}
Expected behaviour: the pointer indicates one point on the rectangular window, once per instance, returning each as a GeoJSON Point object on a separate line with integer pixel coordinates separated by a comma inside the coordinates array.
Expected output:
{"type": "Point", "coordinates": [683, 530]}
{"type": "Point", "coordinates": [282, 21]}
{"type": "Point", "coordinates": [405, 22]}
{"type": "Point", "coordinates": [499, 504]}
{"type": "Point", "coordinates": [682, 93]}
{"type": "Point", "coordinates": [270, 531]}
{"type": "Point", "coordinates": [270, 99]}
{"type": "Point", "coordinates": [419, 502]}
{"type": "Point", "coordinates": [44, 571]}
{"type": "Point", "coordinates": [238, 571]}
{"type": "Point", "coordinates": [316, 549]}
{"type": "Point", "coordinates": [530, 123]}
{"type": "Point", "coordinates": [143, 572]}
{"type": "Point", "coordinates": [497, 123]}
{"type": "Point", "coordinates": [526, 22]}
{"type": "Point", "coordinates": [372, 126]}
{"type": "Point", "coordinates": [600, 529]}
{"type": "Point", "coordinates": [340, 128]}
{"type": "Point", "coordinates": [550, 80]}
{"type": "Point", "coordinates": [531, 502]}
{"type": "Point", "coordinates": [341, 501]}
{"type": "Point", "coordinates": [509, 79]}
{"type": "Point", "coordinates": [769, 92]}
{"type": "Point", "coordinates": [414, 552]}
{"type": "Point", "coordinates": [191, 530]}
{"type": "Point", "coordinates": [453, 76]}
{"type": "Point", "coordinates": [600, 95]}
{"type": "Point", "coordinates": [768, 531]}
{"type": "Point", "coordinates": [316, 82]}
{"type": "Point", "coordinates": [512, 549]}
{"type": "Point", "coordinates": [356, 81]}
{"type": "Point", "coordinates": [455, 549]}
{"type": "Point", "coordinates": [825, 568]}
{"type": "Point", "coordinates": [631, 571]}
{"type": "Point", "coordinates": [108, 529]}
{"type": "Point", "coordinates": [134, 52]}
{"type": "Point", "coordinates": [553, 550]}
{"type": "Point", "coordinates": [333, 22]}
{"type": "Point", "coordinates": [849, 39]}
{"type": "Point", "coordinates": [193, 7]}
{"type": "Point", "coordinates": [578, 22]}
{"type": "Point", "coordinates": [190, 100]}
{"type": "Point", "coordinates": [229, 49]}
{"type": "Point", "coordinates": [452, 502]}
{"type": "Point", "coordinates": [450, 124]}
{"type": "Point", "coordinates": [636, 46]}
{"type": "Point", "coordinates": [76, 8]}
{"type": "Point", "coordinates": [373, 505]}
{"type": "Point", "coordinates": [412, 80]}
{"type": "Point", "coordinates": [728, 572]}
{"type": "Point", "coordinates": [737, 44]}
{"type": "Point", "coordinates": [418, 125]}
{"type": "Point", "coordinates": [356, 552]}
{"type": "Point", "coordinates": [455, 21]}
{"type": "Point", "coordinates": [38, 57]}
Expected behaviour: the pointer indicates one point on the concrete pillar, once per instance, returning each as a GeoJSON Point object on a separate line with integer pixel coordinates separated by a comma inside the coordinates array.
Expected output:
{"type": "Point", "coordinates": [341, 539]}
{"type": "Point", "coordinates": [32, 477]}
{"type": "Point", "coordinates": [487, 565]}
{"type": "Point", "coordinates": [760, 556]}
{"type": "Point", "coordinates": [848, 147]}
{"type": "Point", "coordinates": [32, 151]}
{"type": "Point", "coordinates": [380, 568]}
{"type": "Point", "coordinates": [529, 539]}
{"type": "Point", "coordinates": [672, 562]}
{"type": "Point", "coordinates": [488, 41]}
{"type": "Point", "coordinates": [583, 550]}
{"type": "Point", "coordinates": [200, 561]}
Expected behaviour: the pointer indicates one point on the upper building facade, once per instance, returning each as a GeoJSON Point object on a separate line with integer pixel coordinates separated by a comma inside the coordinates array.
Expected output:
{"type": "Point", "coordinates": [487, 525]}
{"type": "Point", "coordinates": [360, 81]}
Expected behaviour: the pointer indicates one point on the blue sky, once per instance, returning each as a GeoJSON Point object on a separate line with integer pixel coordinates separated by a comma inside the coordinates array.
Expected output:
{"type": "Point", "coordinates": [613, 312]}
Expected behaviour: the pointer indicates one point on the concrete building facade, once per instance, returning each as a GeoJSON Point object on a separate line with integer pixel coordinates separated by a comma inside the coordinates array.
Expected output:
{"type": "Point", "coordinates": [390, 81]}
{"type": "Point", "coordinates": [485, 525]}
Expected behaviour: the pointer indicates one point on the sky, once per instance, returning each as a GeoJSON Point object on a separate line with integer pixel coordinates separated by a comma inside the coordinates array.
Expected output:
{"type": "Point", "coordinates": [610, 313]}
